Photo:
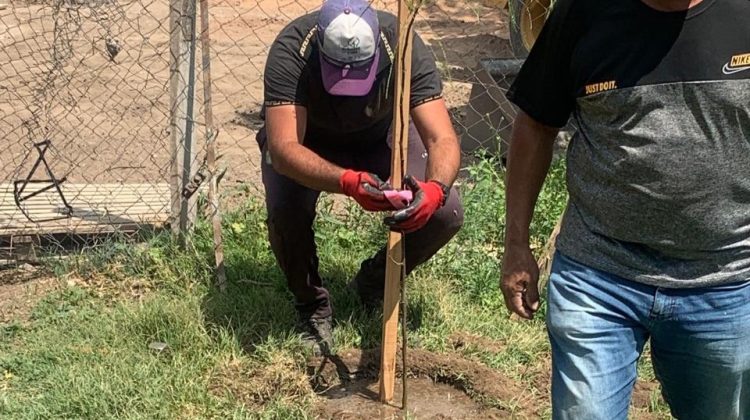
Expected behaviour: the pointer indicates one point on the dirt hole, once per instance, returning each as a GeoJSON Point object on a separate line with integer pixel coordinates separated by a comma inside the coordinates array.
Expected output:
{"type": "Point", "coordinates": [440, 386]}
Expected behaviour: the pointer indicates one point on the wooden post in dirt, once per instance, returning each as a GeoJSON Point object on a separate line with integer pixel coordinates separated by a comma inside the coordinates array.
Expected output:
{"type": "Point", "coordinates": [211, 135]}
{"type": "Point", "coordinates": [395, 250]}
{"type": "Point", "coordinates": [182, 138]}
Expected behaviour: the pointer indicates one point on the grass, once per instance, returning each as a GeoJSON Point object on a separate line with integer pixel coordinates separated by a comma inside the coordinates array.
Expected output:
{"type": "Point", "coordinates": [84, 352]}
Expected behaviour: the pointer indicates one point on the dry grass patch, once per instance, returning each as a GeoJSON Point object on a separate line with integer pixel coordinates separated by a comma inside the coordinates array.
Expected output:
{"type": "Point", "coordinates": [257, 385]}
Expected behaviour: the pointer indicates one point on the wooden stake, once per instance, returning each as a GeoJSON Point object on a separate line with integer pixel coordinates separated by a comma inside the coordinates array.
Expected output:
{"type": "Point", "coordinates": [395, 250]}
{"type": "Point", "coordinates": [211, 134]}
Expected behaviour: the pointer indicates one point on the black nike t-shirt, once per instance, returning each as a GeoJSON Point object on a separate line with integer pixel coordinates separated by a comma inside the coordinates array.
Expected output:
{"type": "Point", "coordinates": [589, 46]}
{"type": "Point", "coordinates": [658, 170]}
{"type": "Point", "coordinates": [292, 76]}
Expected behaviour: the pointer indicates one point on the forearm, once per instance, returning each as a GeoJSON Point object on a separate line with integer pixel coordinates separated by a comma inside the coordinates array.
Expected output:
{"type": "Point", "coordinates": [443, 160]}
{"type": "Point", "coordinates": [529, 159]}
{"type": "Point", "coordinates": [286, 126]}
{"type": "Point", "coordinates": [306, 167]}
{"type": "Point", "coordinates": [436, 129]}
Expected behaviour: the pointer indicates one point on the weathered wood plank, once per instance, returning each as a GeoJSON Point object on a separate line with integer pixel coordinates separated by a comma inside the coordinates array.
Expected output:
{"type": "Point", "coordinates": [97, 208]}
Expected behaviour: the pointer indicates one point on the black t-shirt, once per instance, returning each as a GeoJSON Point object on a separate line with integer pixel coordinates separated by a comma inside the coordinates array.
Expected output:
{"type": "Point", "coordinates": [590, 46]}
{"type": "Point", "coordinates": [292, 76]}
{"type": "Point", "coordinates": [658, 170]}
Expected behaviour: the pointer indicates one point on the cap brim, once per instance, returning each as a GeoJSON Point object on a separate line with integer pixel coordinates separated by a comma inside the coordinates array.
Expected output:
{"type": "Point", "coordinates": [349, 82]}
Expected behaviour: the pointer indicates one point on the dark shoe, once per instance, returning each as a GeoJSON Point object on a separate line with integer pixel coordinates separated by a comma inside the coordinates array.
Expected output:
{"type": "Point", "coordinates": [316, 334]}
{"type": "Point", "coordinates": [369, 282]}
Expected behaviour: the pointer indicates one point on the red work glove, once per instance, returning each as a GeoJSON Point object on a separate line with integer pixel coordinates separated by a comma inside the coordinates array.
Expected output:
{"type": "Point", "coordinates": [366, 189]}
{"type": "Point", "coordinates": [428, 197]}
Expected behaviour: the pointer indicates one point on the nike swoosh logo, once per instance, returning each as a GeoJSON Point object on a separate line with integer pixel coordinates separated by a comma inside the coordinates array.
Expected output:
{"type": "Point", "coordinates": [729, 70]}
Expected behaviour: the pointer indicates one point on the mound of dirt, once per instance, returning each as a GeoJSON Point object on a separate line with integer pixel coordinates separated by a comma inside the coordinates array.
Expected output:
{"type": "Point", "coordinates": [440, 386]}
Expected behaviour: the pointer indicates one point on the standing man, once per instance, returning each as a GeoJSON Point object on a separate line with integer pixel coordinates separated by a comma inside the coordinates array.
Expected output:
{"type": "Point", "coordinates": [655, 242]}
{"type": "Point", "coordinates": [328, 110]}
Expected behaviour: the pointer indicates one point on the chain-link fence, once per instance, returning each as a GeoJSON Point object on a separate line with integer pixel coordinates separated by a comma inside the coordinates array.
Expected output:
{"type": "Point", "coordinates": [96, 95]}
{"type": "Point", "coordinates": [84, 112]}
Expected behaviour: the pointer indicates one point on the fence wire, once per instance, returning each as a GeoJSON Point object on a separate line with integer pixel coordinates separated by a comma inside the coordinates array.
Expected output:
{"type": "Point", "coordinates": [85, 84]}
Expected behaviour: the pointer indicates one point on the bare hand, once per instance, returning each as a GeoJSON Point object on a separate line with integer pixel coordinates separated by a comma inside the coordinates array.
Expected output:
{"type": "Point", "coordinates": [519, 281]}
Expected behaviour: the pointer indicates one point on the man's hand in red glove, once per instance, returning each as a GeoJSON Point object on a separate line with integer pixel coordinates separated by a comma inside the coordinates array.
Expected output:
{"type": "Point", "coordinates": [366, 189]}
{"type": "Point", "coordinates": [428, 197]}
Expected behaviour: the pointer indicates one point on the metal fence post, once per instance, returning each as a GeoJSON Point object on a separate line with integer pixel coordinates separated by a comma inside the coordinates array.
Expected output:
{"type": "Point", "coordinates": [182, 90]}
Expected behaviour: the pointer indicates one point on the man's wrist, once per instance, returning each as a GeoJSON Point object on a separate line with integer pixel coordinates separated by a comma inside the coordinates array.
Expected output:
{"type": "Point", "coordinates": [446, 189]}
{"type": "Point", "coordinates": [517, 242]}
{"type": "Point", "coordinates": [348, 181]}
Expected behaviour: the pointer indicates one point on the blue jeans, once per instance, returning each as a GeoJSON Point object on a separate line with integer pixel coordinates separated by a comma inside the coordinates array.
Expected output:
{"type": "Point", "coordinates": [598, 324]}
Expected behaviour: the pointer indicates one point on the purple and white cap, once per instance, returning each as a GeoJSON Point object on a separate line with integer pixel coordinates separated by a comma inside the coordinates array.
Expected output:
{"type": "Point", "coordinates": [348, 34]}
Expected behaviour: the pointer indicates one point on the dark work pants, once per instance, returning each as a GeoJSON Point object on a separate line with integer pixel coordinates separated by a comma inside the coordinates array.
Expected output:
{"type": "Point", "coordinates": [291, 210]}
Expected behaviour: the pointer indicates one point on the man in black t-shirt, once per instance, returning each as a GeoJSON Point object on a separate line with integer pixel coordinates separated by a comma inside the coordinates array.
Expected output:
{"type": "Point", "coordinates": [655, 242]}
{"type": "Point", "coordinates": [328, 110]}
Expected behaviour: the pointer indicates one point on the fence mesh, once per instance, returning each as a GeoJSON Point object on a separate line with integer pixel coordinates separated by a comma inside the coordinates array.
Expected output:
{"type": "Point", "coordinates": [85, 84]}
{"type": "Point", "coordinates": [84, 102]}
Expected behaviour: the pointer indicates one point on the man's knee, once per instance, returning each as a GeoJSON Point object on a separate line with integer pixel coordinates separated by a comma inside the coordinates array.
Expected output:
{"type": "Point", "coordinates": [588, 407]}
{"type": "Point", "coordinates": [715, 386]}
{"type": "Point", "coordinates": [450, 218]}
{"type": "Point", "coordinates": [587, 387]}
{"type": "Point", "coordinates": [444, 224]}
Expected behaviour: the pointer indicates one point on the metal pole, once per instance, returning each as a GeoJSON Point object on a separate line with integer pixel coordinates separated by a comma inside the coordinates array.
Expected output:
{"type": "Point", "coordinates": [188, 210]}
{"type": "Point", "coordinates": [404, 342]}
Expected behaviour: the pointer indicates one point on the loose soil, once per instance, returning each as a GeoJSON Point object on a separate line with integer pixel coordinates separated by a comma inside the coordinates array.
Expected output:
{"type": "Point", "coordinates": [427, 400]}
{"type": "Point", "coordinates": [439, 386]}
